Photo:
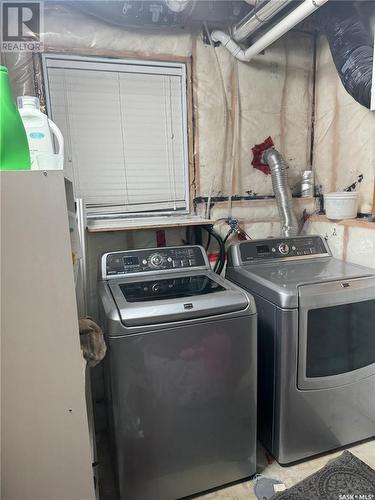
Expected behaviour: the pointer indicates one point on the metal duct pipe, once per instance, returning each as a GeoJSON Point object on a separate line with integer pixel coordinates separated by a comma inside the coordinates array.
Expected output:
{"type": "Point", "coordinates": [262, 13]}
{"type": "Point", "coordinates": [287, 23]}
{"type": "Point", "coordinates": [284, 200]}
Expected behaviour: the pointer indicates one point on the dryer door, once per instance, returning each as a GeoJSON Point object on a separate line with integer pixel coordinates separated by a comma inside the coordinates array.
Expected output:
{"type": "Point", "coordinates": [336, 333]}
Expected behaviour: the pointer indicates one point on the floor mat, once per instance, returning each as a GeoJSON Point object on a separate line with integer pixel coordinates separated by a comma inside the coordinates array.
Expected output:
{"type": "Point", "coordinates": [345, 478]}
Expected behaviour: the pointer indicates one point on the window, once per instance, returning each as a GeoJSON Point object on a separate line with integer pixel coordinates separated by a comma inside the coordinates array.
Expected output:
{"type": "Point", "coordinates": [125, 130]}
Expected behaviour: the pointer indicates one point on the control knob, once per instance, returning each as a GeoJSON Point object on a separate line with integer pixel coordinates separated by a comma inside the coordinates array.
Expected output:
{"type": "Point", "coordinates": [156, 260]}
{"type": "Point", "coordinates": [284, 248]}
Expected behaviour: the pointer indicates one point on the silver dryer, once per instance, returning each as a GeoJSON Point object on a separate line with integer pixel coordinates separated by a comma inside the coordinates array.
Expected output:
{"type": "Point", "coordinates": [316, 344]}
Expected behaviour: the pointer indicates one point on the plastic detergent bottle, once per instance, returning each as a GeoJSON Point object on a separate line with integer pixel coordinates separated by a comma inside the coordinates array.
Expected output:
{"type": "Point", "coordinates": [14, 149]}
{"type": "Point", "coordinates": [40, 130]}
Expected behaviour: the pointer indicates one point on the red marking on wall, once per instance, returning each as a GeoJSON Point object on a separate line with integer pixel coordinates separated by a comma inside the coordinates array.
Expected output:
{"type": "Point", "coordinates": [258, 151]}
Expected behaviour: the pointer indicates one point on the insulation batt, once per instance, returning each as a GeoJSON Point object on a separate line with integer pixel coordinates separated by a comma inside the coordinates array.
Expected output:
{"type": "Point", "coordinates": [351, 44]}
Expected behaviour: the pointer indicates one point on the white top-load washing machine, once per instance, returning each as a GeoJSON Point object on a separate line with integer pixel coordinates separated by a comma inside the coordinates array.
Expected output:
{"type": "Point", "coordinates": [316, 344]}
{"type": "Point", "coordinates": [181, 370]}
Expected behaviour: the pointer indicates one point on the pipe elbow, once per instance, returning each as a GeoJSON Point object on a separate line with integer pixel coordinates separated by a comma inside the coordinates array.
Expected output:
{"type": "Point", "coordinates": [272, 157]}
{"type": "Point", "coordinates": [227, 42]}
{"type": "Point", "coordinates": [241, 56]}
{"type": "Point", "coordinates": [220, 36]}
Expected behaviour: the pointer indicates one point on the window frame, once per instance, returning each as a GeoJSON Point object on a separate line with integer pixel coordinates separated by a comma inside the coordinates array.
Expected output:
{"type": "Point", "coordinates": [136, 65]}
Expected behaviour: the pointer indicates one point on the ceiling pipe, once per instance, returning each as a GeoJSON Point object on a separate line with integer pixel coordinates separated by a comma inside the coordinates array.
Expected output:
{"type": "Point", "coordinates": [262, 13]}
{"type": "Point", "coordinates": [287, 23]}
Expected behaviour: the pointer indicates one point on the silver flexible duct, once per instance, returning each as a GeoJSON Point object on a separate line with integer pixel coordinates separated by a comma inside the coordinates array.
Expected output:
{"type": "Point", "coordinates": [284, 200]}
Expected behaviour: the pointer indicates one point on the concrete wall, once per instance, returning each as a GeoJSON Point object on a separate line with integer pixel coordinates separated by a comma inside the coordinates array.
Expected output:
{"type": "Point", "coordinates": [344, 133]}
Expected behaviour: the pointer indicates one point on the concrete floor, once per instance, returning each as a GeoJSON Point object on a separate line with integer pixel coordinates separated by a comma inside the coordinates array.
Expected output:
{"type": "Point", "coordinates": [288, 475]}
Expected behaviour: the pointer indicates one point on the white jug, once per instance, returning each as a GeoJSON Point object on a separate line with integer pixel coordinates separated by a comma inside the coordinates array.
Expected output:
{"type": "Point", "coordinates": [38, 130]}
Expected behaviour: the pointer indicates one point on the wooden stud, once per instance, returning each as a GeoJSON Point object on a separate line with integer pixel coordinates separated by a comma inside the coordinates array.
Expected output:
{"type": "Point", "coordinates": [117, 54]}
{"type": "Point", "coordinates": [347, 222]}
{"type": "Point", "coordinates": [195, 114]}
{"type": "Point", "coordinates": [190, 130]}
{"type": "Point", "coordinates": [345, 243]}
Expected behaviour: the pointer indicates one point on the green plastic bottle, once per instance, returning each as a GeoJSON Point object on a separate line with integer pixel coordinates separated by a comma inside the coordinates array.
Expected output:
{"type": "Point", "coordinates": [14, 148]}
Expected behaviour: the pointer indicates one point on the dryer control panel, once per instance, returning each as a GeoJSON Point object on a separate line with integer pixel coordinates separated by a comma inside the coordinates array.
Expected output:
{"type": "Point", "coordinates": [299, 247]}
{"type": "Point", "coordinates": [151, 260]}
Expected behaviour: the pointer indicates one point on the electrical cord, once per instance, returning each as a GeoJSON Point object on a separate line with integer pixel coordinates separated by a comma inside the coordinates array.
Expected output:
{"type": "Point", "coordinates": [219, 265]}
{"type": "Point", "coordinates": [230, 232]}
{"type": "Point", "coordinates": [208, 242]}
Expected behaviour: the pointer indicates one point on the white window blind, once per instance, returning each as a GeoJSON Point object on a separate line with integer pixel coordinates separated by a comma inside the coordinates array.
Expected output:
{"type": "Point", "coordinates": [125, 131]}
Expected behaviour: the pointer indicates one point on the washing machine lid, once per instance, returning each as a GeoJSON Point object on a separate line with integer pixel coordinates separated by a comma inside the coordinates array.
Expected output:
{"type": "Point", "coordinates": [146, 300]}
{"type": "Point", "coordinates": [279, 282]}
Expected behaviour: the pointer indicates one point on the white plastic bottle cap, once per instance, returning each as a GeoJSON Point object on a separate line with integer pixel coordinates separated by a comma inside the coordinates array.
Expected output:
{"type": "Point", "coordinates": [29, 101]}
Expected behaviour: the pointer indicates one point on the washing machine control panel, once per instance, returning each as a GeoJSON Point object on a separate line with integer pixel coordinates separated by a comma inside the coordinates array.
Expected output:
{"type": "Point", "coordinates": [151, 260]}
{"type": "Point", "coordinates": [282, 248]}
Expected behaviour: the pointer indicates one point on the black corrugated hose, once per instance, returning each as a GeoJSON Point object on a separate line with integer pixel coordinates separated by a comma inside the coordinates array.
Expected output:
{"type": "Point", "coordinates": [221, 260]}
{"type": "Point", "coordinates": [352, 46]}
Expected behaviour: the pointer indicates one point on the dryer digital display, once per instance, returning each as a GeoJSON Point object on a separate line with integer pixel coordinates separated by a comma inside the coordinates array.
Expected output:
{"type": "Point", "coordinates": [131, 261]}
